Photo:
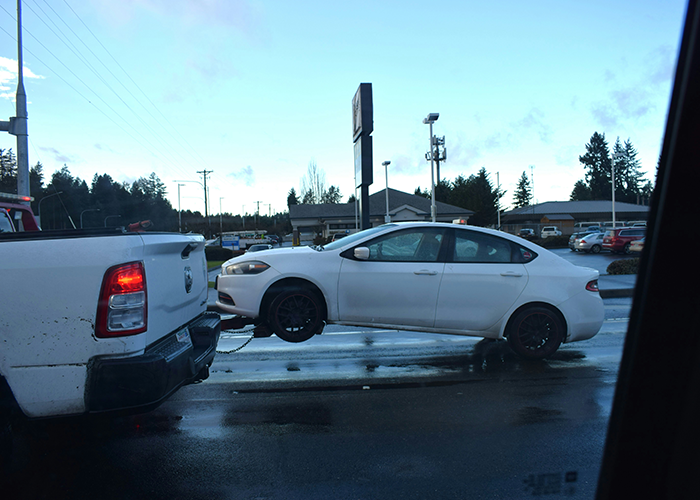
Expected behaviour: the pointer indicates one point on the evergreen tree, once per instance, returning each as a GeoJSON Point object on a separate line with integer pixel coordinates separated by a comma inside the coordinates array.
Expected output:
{"type": "Point", "coordinates": [425, 193]}
{"type": "Point", "coordinates": [628, 178]}
{"type": "Point", "coordinates": [332, 195]}
{"type": "Point", "coordinates": [477, 194]}
{"type": "Point", "coordinates": [292, 198]}
{"type": "Point", "coordinates": [8, 171]}
{"type": "Point", "coordinates": [581, 192]}
{"type": "Point", "coordinates": [523, 192]}
{"type": "Point", "coordinates": [596, 161]}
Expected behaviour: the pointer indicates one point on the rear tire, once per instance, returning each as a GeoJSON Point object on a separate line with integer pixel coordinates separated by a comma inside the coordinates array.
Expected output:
{"type": "Point", "coordinates": [296, 315]}
{"type": "Point", "coordinates": [595, 249]}
{"type": "Point", "coordinates": [535, 332]}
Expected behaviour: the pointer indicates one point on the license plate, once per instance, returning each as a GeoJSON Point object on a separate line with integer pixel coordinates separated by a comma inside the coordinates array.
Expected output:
{"type": "Point", "coordinates": [183, 336]}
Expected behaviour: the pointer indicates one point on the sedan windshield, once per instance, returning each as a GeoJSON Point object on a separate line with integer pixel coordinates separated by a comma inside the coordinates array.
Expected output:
{"type": "Point", "coordinates": [352, 238]}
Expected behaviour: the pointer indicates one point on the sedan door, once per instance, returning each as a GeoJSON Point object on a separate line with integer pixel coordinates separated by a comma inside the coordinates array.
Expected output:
{"type": "Point", "coordinates": [399, 281]}
{"type": "Point", "coordinates": [482, 279]}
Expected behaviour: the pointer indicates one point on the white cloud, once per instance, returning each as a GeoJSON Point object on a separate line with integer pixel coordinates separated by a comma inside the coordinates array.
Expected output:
{"type": "Point", "coordinates": [245, 175]}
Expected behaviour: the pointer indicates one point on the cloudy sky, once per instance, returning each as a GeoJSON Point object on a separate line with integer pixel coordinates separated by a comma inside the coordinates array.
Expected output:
{"type": "Point", "coordinates": [254, 90]}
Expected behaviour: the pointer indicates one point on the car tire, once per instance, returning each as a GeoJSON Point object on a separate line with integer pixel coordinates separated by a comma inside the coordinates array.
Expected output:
{"type": "Point", "coordinates": [626, 250]}
{"type": "Point", "coordinates": [296, 315]}
{"type": "Point", "coordinates": [535, 332]}
{"type": "Point", "coordinates": [595, 249]}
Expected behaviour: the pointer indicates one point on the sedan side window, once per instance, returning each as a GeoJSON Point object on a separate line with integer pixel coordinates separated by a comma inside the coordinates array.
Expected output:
{"type": "Point", "coordinates": [412, 245]}
{"type": "Point", "coordinates": [472, 246]}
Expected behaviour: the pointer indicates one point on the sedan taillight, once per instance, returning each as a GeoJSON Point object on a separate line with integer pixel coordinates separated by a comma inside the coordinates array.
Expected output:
{"type": "Point", "coordinates": [122, 307]}
{"type": "Point", "coordinates": [592, 286]}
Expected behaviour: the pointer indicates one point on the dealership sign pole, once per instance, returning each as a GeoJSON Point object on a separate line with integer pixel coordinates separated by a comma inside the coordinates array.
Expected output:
{"type": "Point", "coordinates": [362, 126]}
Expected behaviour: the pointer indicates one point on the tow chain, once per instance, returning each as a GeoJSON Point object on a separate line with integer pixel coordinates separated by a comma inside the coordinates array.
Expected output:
{"type": "Point", "coordinates": [242, 330]}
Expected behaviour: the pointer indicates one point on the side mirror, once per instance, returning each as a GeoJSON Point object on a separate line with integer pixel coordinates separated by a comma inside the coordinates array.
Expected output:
{"type": "Point", "coordinates": [361, 253]}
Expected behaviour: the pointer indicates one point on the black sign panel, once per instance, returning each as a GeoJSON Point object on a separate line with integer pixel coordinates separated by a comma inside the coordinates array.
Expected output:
{"type": "Point", "coordinates": [363, 161]}
{"type": "Point", "coordinates": [362, 111]}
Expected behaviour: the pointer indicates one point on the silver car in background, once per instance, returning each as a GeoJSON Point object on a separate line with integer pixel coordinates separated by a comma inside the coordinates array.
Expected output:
{"type": "Point", "coordinates": [590, 243]}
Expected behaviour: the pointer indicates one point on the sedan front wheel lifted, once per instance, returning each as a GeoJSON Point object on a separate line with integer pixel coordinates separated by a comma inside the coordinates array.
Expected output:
{"type": "Point", "coordinates": [296, 315]}
{"type": "Point", "coordinates": [535, 332]}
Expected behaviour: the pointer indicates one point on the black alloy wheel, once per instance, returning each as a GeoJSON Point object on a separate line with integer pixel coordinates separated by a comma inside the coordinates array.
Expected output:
{"type": "Point", "coordinates": [595, 249]}
{"type": "Point", "coordinates": [296, 315]}
{"type": "Point", "coordinates": [535, 332]}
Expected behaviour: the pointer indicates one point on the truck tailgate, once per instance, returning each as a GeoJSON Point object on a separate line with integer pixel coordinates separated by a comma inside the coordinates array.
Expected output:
{"type": "Point", "coordinates": [176, 281]}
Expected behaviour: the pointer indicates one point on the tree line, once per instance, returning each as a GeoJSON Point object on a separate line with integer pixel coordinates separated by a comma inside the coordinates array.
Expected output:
{"type": "Point", "coordinates": [67, 201]}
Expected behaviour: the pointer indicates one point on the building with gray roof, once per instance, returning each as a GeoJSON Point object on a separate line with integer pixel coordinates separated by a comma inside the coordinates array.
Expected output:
{"type": "Point", "coordinates": [330, 218]}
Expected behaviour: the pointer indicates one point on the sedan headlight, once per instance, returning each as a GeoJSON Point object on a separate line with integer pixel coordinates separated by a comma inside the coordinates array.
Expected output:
{"type": "Point", "coordinates": [252, 267]}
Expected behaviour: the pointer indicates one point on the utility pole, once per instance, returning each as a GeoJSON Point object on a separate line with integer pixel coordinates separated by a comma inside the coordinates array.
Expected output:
{"type": "Point", "coordinates": [257, 213]}
{"type": "Point", "coordinates": [17, 125]}
{"type": "Point", "coordinates": [206, 202]}
{"type": "Point", "coordinates": [439, 154]}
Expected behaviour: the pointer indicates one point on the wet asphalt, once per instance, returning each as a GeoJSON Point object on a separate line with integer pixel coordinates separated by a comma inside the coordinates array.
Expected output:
{"type": "Point", "coordinates": [351, 414]}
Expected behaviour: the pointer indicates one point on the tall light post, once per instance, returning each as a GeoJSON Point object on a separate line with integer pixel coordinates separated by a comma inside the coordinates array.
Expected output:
{"type": "Point", "coordinates": [88, 210]}
{"type": "Point", "coordinates": [613, 156]}
{"type": "Point", "coordinates": [38, 210]}
{"type": "Point", "coordinates": [179, 210]}
{"type": "Point", "coordinates": [206, 209]}
{"type": "Point", "coordinates": [430, 119]}
{"type": "Point", "coordinates": [387, 217]}
{"type": "Point", "coordinates": [221, 225]}
{"type": "Point", "coordinates": [498, 200]}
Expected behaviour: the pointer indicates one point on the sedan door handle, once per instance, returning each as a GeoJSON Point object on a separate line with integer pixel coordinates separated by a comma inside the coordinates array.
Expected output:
{"type": "Point", "coordinates": [426, 272]}
{"type": "Point", "coordinates": [512, 275]}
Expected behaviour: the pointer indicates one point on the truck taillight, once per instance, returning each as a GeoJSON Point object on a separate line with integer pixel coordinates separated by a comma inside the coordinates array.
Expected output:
{"type": "Point", "coordinates": [122, 308]}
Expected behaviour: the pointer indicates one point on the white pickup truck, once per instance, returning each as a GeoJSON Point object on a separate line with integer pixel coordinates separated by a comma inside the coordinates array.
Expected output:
{"type": "Point", "coordinates": [95, 321]}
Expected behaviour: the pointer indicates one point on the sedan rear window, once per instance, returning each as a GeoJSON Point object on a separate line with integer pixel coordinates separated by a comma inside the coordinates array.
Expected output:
{"type": "Point", "coordinates": [472, 246]}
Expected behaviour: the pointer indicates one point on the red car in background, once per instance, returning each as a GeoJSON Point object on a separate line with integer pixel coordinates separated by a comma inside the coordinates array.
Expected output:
{"type": "Point", "coordinates": [618, 240]}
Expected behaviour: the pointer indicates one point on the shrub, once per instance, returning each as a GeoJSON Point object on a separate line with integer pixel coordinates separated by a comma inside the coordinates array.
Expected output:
{"type": "Point", "coordinates": [553, 242]}
{"type": "Point", "coordinates": [624, 266]}
{"type": "Point", "coordinates": [218, 253]}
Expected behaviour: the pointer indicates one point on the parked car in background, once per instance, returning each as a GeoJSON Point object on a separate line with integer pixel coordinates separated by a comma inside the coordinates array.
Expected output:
{"type": "Point", "coordinates": [6, 225]}
{"type": "Point", "coordinates": [439, 278]}
{"type": "Point", "coordinates": [527, 233]}
{"type": "Point", "coordinates": [637, 245]}
{"type": "Point", "coordinates": [574, 237]}
{"type": "Point", "coordinates": [337, 236]}
{"type": "Point", "coordinates": [590, 243]}
{"type": "Point", "coordinates": [548, 231]}
{"type": "Point", "coordinates": [274, 239]}
{"type": "Point", "coordinates": [619, 240]}
{"type": "Point", "coordinates": [259, 247]}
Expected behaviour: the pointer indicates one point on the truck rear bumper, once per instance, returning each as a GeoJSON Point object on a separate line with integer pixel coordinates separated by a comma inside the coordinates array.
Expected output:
{"type": "Point", "coordinates": [143, 382]}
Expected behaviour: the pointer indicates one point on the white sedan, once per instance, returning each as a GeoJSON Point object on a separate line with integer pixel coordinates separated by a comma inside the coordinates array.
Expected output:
{"type": "Point", "coordinates": [441, 278]}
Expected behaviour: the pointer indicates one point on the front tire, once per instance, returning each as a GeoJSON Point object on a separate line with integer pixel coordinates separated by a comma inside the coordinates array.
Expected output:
{"type": "Point", "coordinates": [595, 249]}
{"type": "Point", "coordinates": [535, 332]}
{"type": "Point", "coordinates": [296, 315]}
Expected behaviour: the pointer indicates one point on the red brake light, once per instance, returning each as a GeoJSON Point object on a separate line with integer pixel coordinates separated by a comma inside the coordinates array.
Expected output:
{"type": "Point", "coordinates": [122, 307]}
{"type": "Point", "coordinates": [126, 279]}
{"type": "Point", "coordinates": [592, 286]}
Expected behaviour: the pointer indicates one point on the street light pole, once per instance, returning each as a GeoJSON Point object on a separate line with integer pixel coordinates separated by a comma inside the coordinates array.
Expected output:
{"type": "Point", "coordinates": [430, 119]}
{"type": "Point", "coordinates": [221, 225]}
{"type": "Point", "coordinates": [88, 210]}
{"type": "Point", "coordinates": [387, 218]}
{"type": "Point", "coordinates": [613, 155]}
{"type": "Point", "coordinates": [179, 210]}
